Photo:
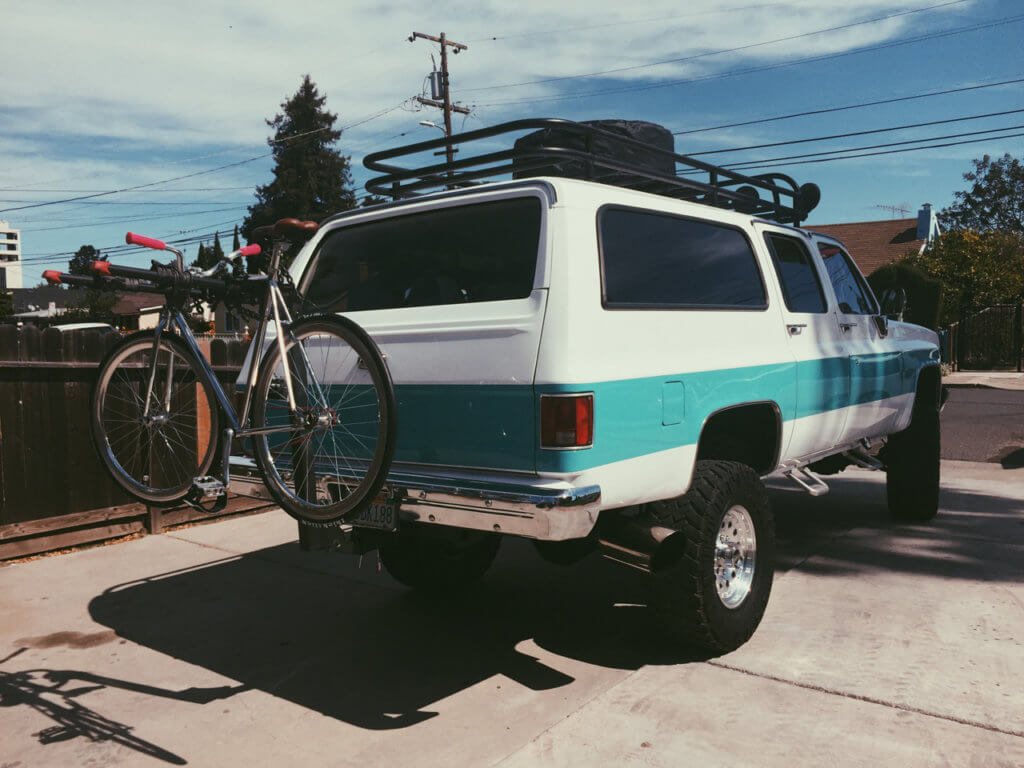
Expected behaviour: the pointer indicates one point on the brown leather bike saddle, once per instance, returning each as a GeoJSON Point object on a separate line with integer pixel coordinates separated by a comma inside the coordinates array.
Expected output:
{"type": "Point", "coordinates": [290, 229]}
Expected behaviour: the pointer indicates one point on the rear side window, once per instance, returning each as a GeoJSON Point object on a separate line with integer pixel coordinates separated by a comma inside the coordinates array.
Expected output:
{"type": "Point", "coordinates": [801, 287]}
{"type": "Point", "coordinates": [652, 260]}
{"type": "Point", "coordinates": [468, 253]}
{"type": "Point", "coordinates": [852, 292]}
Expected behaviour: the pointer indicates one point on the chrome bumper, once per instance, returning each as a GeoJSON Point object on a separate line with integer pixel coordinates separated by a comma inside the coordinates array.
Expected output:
{"type": "Point", "coordinates": [479, 501]}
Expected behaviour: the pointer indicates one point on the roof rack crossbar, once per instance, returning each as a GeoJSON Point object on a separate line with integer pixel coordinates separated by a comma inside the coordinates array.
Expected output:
{"type": "Point", "coordinates": [724, 188]}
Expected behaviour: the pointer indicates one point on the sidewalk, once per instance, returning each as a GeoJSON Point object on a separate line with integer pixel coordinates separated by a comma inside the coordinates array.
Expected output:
{"type": "Point", "coordinates": [883, 644]}
{"type": "Point", "coordinates": [988, 379]}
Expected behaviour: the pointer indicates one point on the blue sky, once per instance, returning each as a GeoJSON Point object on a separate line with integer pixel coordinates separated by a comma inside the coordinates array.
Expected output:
{"type": "Point", "coordinates": [107, 95]}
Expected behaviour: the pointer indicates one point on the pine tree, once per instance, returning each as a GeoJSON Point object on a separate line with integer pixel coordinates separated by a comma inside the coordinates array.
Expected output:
{"type": "Point", "coordinates": [235, 243]}
{"type": "Point", "coordinates": [200, 257]}
{"type": "Point", "coordinates": [311, 178]}
{"type": "Point", "coordinates": [218, 252]}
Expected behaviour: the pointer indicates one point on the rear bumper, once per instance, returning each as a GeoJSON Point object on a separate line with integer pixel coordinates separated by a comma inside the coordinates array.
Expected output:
{"type": "Point", "coordinates": [518, 505]}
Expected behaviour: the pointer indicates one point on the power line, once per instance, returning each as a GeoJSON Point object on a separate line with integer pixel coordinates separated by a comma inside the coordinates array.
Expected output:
{"type": "Point", "coordinates": [137, 186]}
{"type": "Point", "coordinates": [746, 47]}
{"type": "Point", "coordinates": [164, 191]}
{"type": "Point", "coordinates": [762, 161]}
{"type": "Point", "coordinates": [827, 110]}
{"type": "Point", "coordinates": [145, 202]}
{"type": "Point", "coordinates": [172, 238]}
{"type": "Point", "coordinates": [304, 135]}
{"type": "Point", "coordinates": [889, 152]}
{"type": "Point", "coordinates": [855, 133]}
{"type": "Point", "coordinates": [108, 222]}
{"type": "Point", "coordinates": [766, 67]}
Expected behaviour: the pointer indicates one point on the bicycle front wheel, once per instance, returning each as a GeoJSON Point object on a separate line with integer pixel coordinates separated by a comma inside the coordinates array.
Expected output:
{"type": "Point", "coordinates": [154, 418]}
{"type": "Point", "coordinates": [333, 453]}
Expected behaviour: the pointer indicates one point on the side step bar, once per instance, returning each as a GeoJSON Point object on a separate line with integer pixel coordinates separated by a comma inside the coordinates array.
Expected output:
{"type": "Point", "coordinates": [807, 480]}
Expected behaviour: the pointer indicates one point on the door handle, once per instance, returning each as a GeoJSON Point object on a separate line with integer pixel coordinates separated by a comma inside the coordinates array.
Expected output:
{"type": "Point", "coordinates": [847, 326]}
{"type": "Point", "coordinates": [795, 329]}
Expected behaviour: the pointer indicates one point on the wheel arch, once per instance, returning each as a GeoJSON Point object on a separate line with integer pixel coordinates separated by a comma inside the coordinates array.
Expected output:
{"type": "Point", "coordinates": [750, 433]}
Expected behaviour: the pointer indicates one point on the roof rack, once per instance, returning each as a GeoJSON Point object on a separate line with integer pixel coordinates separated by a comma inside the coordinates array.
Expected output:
{"type": "Point", "coordinates": [773, 196]}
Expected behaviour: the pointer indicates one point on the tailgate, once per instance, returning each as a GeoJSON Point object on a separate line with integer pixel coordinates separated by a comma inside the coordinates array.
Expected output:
{"type": "Point", "coordinates": [454, 296]}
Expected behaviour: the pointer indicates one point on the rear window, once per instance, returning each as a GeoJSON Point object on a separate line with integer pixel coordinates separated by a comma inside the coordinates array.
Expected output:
{"type": "Point", "coordinates": [469, 253]}
{"type": "Point", "coordinates": [652, 260]}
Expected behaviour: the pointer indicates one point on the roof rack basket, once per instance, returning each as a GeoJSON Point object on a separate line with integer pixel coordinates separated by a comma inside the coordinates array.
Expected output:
{"type": "Point", "coordinates": [773, 196]}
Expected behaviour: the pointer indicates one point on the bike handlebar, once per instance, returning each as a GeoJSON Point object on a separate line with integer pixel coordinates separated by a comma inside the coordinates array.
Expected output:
{"type": "Point", "coordinates": [147, 242]}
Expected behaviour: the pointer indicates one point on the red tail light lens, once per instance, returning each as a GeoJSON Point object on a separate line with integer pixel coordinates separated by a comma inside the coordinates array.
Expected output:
{"type": "Point", "coordinates": [566, 421]}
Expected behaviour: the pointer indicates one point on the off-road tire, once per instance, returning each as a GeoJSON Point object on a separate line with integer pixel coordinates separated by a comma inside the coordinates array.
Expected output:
{"type": "Point", "coordinates": [684, 595]}
{"type": "Point", "coordinates": [439, 561]}
{"type": "Point", "coordinates": [912, 459]}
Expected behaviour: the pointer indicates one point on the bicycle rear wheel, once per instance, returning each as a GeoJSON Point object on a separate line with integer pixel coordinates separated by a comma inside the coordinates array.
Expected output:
{"type": "Point", "coordinates": [154, 449]}
{"type": "Point", "coordinates": [333, 459]}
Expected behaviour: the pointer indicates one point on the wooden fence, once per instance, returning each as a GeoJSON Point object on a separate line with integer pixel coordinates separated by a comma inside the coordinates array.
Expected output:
{"type": "Point", "coordinates": [54, 492]}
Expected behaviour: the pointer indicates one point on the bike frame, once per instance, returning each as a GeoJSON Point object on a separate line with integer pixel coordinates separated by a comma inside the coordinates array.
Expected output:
{"type": "Point", "coordinates": [274, 306]}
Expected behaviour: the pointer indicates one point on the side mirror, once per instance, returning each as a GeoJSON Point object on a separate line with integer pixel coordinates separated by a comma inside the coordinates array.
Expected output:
{"type": "Point", "coordinates": [894, 302]}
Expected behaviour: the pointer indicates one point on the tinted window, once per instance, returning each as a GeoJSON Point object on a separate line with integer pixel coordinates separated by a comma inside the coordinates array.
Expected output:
{"type": "Point", "coordinates": [659, 260]}
{"type": "Point", "coordinates": [481, 252]}
{"type": "Point", "coordinates": [851, 291]}
{"type": "Point", "coordinates": [801, 287]}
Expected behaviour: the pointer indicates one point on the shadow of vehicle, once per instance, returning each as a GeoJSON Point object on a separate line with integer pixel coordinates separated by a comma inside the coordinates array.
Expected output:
{"type": "Point", "coordinates": [317, 631]}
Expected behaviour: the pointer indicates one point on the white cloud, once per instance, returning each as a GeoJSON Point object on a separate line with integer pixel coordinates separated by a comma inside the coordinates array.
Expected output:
{"type": "Point", "coordinates": [89, 88]}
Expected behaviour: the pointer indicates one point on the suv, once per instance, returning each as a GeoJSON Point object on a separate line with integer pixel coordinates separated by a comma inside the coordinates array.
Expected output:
{"type": "Point", "coordinates": [615, 366]}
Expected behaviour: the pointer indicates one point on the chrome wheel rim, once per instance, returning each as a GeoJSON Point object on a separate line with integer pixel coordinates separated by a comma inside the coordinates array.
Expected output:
{"type": "Point", "coordinates": [735, 556]}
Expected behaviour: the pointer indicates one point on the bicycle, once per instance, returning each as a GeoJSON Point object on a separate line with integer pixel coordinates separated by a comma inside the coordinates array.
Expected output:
{"type": "Point", "coordinates": [318, 404]}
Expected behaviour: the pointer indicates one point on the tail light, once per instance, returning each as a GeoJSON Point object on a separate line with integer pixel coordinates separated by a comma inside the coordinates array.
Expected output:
{"type": "Point", "coordinates": [567, 421]}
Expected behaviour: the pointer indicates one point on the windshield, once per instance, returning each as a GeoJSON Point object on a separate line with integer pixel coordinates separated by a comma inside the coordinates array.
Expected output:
{"type": "Point", "coordinates": [467, 253]}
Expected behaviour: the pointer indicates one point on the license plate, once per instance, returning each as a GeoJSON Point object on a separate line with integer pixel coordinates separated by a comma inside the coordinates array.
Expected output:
{"type": "Point", "coordinates": [382, 514]}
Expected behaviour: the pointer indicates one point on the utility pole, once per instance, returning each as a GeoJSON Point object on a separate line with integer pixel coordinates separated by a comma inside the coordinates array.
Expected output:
{"type": "Point", "coordinates": [446, 100]}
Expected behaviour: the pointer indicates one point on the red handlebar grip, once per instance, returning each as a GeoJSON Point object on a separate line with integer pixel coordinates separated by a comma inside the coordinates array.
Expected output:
{"type": "Point", "coordinates": [250, 250]}
{"type": "Point", "coordinates": [101, 268]}
{"type": "Point", "coordinates": [148, 242]}
{"type": "Point", "coordinates": [52, 276]}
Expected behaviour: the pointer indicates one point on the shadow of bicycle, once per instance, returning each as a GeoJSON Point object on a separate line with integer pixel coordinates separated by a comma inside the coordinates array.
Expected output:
{"type": "Point", "coordinates": [54, 693]}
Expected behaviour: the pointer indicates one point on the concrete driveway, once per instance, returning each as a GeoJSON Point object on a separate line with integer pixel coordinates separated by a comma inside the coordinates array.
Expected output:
{"type": "Point", "coordinates": [225, 645]}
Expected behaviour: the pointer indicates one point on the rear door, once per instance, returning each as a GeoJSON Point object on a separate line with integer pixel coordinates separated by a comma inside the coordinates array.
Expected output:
{"type": "Point", "coordinates": [816, 342]}
{"type": "Point", "coordinates": [454, 294]}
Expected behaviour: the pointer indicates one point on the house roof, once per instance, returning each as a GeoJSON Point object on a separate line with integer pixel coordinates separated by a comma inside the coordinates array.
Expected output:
{"type": "Point", "coordinates": [873, 244]}
{"type": "Point", "coordinates": [41, 296]}
{"type": "Point", "coordinates": [136, 303]}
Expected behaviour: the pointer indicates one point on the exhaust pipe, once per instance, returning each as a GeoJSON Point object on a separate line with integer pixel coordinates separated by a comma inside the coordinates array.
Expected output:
{"type": "Point", "coordinates": [639, 543]}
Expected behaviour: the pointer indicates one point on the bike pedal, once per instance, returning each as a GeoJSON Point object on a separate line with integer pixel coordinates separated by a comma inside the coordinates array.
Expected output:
{"type": "Point", "coordinates": [208, 487]}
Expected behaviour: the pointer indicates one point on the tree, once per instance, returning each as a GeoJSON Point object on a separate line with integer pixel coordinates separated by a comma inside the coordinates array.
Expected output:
{"type": "Point", "coordinates": [6, 305]}
{"type": "Point", "coordinates": [218, 252]}
{"type": "Point", "coordinates": [311, 178]}
{"type": "Point", "coordinates": [995, 201]}
{"type": "Point", "coordinates": [95, 305]}
{"type": "Point", "coordinates": [974, 268]}
{"type": "Point", "coordinates": [924, 293]}
{"type": "Point", "coordinates": [235, 243]}
{"type": "Point", "coordinates": [81, 262]}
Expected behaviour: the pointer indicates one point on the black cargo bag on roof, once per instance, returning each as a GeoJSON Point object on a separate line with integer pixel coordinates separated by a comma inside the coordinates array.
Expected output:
{"type": "Point", "coordinates": [602, 147]}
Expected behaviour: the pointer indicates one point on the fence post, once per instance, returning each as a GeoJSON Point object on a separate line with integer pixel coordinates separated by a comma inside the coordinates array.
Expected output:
{"type": "Point", "coordinates": [1018, 331]}
{"type": "Point", "coordinates": [961, 338]}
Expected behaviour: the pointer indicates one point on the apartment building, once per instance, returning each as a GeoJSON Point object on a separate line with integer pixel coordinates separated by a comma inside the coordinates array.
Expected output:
{"type": "Point", "coordinates": [10, 257]}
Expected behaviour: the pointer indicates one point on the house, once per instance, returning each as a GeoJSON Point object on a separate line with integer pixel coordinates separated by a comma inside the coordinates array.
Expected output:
{"type": "Point", "coordinates": [873, 244]}
{"type": "Point", "coordinates": [44, 301]}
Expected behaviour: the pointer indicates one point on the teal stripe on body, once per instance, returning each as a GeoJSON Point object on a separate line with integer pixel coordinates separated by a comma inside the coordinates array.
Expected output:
{"type": "Point", "coordinates": [496, 426]}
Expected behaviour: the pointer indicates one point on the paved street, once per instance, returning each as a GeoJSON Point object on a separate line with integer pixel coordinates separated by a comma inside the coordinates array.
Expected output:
{"type": "Point", "coordinates": [984, 425]}
{"type": "Point", "coordinates": [225, 645]}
